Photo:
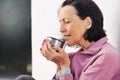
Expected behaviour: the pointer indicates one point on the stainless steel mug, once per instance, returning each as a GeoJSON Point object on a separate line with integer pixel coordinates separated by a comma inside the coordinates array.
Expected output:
{"type": "Point", "coordinates": [56, 41]}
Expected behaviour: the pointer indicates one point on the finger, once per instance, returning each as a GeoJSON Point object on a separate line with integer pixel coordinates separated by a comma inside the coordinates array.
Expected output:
{"type": "Point", "coordinates": [47, 53]}
{"type": "Point", "coordinates": [42, 44]}
{"type": "Point", "coordinates": [45, 48]}
{"type": "Point", "coordinates": [58, 49]}
{"type": "Point", "coordinates": [42, 50]}
{"type": "Point", "coordinates": [43, 41]}
{"type": "Point", "coordinates": [52, 53]}
{"type": "Point", "coordinates": [50, 48]}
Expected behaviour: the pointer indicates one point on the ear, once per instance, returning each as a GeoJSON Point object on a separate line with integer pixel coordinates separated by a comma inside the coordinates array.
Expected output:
{"type": "Point", "coordinates": [88, 22]}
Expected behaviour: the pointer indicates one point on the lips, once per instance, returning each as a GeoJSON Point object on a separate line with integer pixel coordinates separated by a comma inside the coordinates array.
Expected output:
{"type": "Point", "coordinates": [66, 37]}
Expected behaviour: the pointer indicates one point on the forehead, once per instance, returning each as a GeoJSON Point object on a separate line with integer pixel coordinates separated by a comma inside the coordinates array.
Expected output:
{"type": "Point", "coordinates": [67, 12]}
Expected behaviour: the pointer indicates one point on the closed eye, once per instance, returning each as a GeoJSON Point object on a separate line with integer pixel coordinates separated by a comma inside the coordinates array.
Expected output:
{"type": "Point", "coordinates": [67, 22]}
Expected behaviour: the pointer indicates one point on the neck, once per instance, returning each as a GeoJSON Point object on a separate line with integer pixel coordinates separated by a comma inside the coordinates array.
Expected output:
{"type": "Point", "coordinates": [85, 44]}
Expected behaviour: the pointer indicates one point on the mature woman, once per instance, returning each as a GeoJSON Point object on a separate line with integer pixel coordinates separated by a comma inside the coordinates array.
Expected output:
{"type": "Point", "coordinates": [81, 23]}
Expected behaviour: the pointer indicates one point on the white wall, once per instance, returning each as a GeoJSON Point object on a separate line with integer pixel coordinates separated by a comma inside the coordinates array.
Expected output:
{"type": "Point", "coordinates": [111, 11]}
{"type": "Point", "coordinates": [45, 22]}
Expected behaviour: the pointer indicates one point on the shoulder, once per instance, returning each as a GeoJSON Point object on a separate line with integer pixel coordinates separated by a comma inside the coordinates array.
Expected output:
{"type": "Point", "coordinates": [109, 53]}
{"type": "Point", "coordinates": [109, 50]}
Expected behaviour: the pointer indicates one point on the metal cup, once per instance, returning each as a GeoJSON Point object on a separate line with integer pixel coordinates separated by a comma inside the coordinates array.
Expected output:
{"type": "Point", "coordinates": [56, 42]}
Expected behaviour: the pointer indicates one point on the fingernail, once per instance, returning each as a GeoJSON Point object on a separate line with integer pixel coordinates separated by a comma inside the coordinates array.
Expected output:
{"type": "Point", "coordinates": [40, 49]}
{"type": "Point", "coordinates": [44, 41]}
{"type": "Point", "coordinates": [52, 45]}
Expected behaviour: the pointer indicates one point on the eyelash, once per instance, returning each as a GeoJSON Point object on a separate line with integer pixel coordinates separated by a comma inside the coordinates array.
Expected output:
{"type": "Point", "coordinates": [67, 22]}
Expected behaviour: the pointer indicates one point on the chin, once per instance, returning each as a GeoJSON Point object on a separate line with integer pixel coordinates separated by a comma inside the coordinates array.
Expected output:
{"type": "Point", "coordinates": [69, 44]}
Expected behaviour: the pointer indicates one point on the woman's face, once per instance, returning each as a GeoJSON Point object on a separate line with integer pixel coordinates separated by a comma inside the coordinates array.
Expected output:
{"type": "Point", "coordinates": [71, 26]}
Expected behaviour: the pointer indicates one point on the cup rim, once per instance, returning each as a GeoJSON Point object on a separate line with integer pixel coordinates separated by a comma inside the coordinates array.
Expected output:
{"type": "Point", "coordinates": [61, 40]}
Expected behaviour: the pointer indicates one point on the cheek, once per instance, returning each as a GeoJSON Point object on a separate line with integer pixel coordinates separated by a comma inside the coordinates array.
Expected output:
{"type": "Point", "coordinates": [73, 39]}
{"type": "Point", "coordinates": [74, 36]}
{"type": "Point", "coordinates": [78, 33]}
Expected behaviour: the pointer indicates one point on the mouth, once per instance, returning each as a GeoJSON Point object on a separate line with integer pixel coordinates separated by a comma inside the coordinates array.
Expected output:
{"type": "Point", "coordinates": [66, 37]}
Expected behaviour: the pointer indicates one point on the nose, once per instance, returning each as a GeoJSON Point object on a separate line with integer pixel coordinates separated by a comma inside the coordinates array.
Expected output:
{"type": "Point", "coordinates": [62, 28]}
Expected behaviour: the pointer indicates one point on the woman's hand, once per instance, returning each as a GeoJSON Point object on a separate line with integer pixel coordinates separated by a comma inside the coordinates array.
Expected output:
{"type": "Point", "coordinates": [55, 54]}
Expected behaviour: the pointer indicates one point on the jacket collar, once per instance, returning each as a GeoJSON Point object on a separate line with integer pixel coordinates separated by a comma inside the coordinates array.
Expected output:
{"type": "Point", "coordinates": [97, 46]}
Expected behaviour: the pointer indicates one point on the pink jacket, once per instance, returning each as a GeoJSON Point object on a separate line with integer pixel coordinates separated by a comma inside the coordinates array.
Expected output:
{"type": "Point", "coordinates": [100, 62]}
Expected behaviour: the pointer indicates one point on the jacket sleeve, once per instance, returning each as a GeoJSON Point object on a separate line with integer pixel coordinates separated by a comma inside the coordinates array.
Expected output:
{"type": "Point", "coordinates": [66, 77]}
{"type": "Point", "coordinates": [63, 74]}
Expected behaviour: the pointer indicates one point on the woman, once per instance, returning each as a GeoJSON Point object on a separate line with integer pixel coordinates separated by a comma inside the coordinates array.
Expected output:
{"type": "Point", "coordinates": [81, 23]}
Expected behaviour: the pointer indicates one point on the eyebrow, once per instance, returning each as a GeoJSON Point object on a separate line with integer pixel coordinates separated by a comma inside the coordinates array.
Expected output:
{"type": "Point", "coordinates": [64, 19]}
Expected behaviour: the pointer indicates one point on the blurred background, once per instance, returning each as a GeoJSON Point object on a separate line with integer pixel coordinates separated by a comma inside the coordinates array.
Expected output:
{"type": "Point", "coordinates": [15, 38]}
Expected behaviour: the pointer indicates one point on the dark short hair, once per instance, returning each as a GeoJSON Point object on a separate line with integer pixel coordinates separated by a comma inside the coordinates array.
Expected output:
{"type": "Point", "coordinates": [88, 8]}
